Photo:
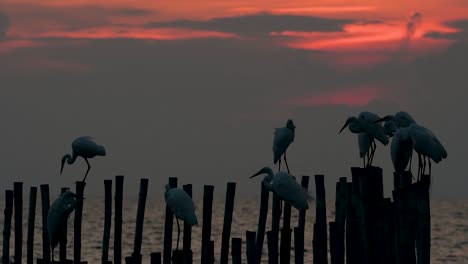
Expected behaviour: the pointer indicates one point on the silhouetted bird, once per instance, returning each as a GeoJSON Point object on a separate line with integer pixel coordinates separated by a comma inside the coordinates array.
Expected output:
{"type": "Point", "coordinates": [365, 124]}
{"type": "Point", "coordinates": [286, 187]}
{"type": "Point", "coordinates": [57, 218]}
{"type": "Point", "coordinates": [86, 148]}
{"type": "Point", "coordinates": [283, 137]}
{"type": "Point", "coordinates": [182, 206]}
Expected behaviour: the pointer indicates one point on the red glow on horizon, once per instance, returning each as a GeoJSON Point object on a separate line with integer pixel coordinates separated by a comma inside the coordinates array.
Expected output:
{"type": "Point", "coordinates": [350, 97]}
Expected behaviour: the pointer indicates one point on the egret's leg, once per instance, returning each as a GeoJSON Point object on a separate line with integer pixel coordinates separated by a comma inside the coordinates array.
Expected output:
{"type": "Point", "coordinates": [410, 159]}
{"type": "Point", "coordinates": [429, 159]}
{"type": "Point", "coordinates": [364, 161]}
{"type": "Point", "coordinates": [178, 233]}
{"type": "Point", "coordinates": [285, 161]}
{"type": "Point", "coordinates": [424, 167]}
{"type": "Point", "coordinates": [419, 165]}
{"type": "Point", "coordinates": [89, 167]}
{"type": "Point", "coordinates": [279, 165]}
{"type": "Point", "coordinates": [52, 255]}
{"type": "Point", "coordinates": [373, 146]}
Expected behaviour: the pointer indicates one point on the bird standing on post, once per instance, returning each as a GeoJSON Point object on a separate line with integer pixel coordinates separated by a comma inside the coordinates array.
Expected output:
{"type": "Point", "coordinates": [368, 130]}
{"type": "Point", "coordinates": [422, 140]}
{"type": "Point", "coordinates": [182, 206]}
{"type": "Point", "coordinates": [86, 148]}
{"type": "Point", "coordinates": [284, 136]}
{"type": "Point", "coordinates": [286, 187]}
{"type": "Point", "coordinates": [57, 218]}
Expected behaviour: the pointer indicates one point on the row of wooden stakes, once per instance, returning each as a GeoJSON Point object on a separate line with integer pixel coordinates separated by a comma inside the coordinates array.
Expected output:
{"type": "Point", "coordinates": [368, 228]}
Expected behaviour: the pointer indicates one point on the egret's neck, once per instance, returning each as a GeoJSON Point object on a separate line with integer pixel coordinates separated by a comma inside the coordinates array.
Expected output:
{"type": "Point", "coordinates": [70, 159]}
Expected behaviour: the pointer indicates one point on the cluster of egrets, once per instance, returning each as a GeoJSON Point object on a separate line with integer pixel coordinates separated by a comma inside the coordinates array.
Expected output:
{"type": "Point", "coordinates": [407, 136]}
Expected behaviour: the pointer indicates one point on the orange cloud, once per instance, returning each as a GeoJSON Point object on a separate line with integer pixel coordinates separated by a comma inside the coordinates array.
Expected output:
{"type": "Point", "coordinates": [350, 97]}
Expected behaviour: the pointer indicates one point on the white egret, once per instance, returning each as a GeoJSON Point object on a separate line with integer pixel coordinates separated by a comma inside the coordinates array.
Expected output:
{"type": "Point", "coordinates": [57, 218]}
{"type": "Point", "coordinates": [283, 137]}
{"type": "Point", "coordinates": [401, 149]}
{"type": "Point", "coordinates": [86, 148]}
{"type": "Point", "coordinates": [286, 187]}
{"type": "Point", "coordinates": [182, 206]}
{"type": "Point", "coordinates": [424, 142]}
{"type": "Point", "coordinates": [366, 123]}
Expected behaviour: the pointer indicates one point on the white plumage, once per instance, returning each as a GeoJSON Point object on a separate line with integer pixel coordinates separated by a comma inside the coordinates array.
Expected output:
{"type": "Point", "coordinates": [286, 187]}
{"type": "Point", "coordinates": [57, 217]}
{"type": "Point", "coordinates": [182, 206]}
{"type": "Point", "coordinates": [86, 148]}
{"type": "Point", "coordinates": [368, 130]}
{"type": "Point", "coordinates": [283, 137]}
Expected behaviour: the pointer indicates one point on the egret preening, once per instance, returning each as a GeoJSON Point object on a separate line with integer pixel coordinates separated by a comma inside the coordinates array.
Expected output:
{"type": "Point", "coordinates": [57, 218]}
{"type": "Point", "coordinates": [86, 148]}
{"type": "Point", "coordinates": [284, 136]}
{"type": "Point", "coordinates": [366, 123]}
{"type": "Point", "coordinates": [286, 187]}
{"type": "Point", "coordinates": [423, 141]}
{"type": "Point", "coordinates": [182, 206]}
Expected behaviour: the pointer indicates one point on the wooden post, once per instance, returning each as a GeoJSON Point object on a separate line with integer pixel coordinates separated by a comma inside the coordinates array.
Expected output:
{"type": "Point", "coordinates": [333, 242]}
{"type": "Point", "coordinates": [187, 240]}
{"type": "Point", "coordinates": [388, 231]}
{"type": "Point", "coordinates": [250, 247]}
{"type": "Point", "coordinates": [18, 204]}
{"type": "Point", "coordinates": [107, 220]}
{"type": "Point", "coordinates": [63, 240]}
{"type": "Point", "coordinates": [210, 253]}
{"type": "Point", "coordinates": [320, 226]}
{"type": "Point", "coordinates": [299, 245]}
{"type": "Point", "coordinates": [31, 223]}
{"type": "Point", "coordinates": [177, 257]}
{"type": "Point", "coordinates": [45, 230]}
{"type": "Point", "coordinates": [275, 221]}
{"type": "Point", "coordinates": [206, 228]}
{"type": "Point", "coordinates": [78, 218]}
{"type": "Point", "coordinates": [340, 217]}
{"type": "Point", "coordinates": [167, 251]}
{"type": "Point", "coordinates": [228, 209]}
{"type": "Point", "coordinates": [299, 233]}
{"type": "Point", "coordinates": [140, 217]}
{"type": "Point", "coordinates": [236, 250]}
{"type": "Point", "coordinates": [272, 240]}
{"type": "Point", "coordinates": [262, 218]}
{"type": "Point", "coordinates": [8, 213]}
{"type": "Point", "coordinates": [423, 239]}
{"type": "Point", "coordinates": [155, 258]}
{"type": "Point", "coordinates": [285, 246]}
{"type": "Point", "coordinates": [119, 182]}
{"type": "Point", "coordinates": [354, 247]}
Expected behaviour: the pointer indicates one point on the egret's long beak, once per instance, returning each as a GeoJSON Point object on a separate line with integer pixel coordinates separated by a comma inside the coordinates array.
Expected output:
{"type": "Point", "coordinates": [345, 125]}
{"type": "Point", "coordinates": [63, 163]}
{"type": "Point", "coordinates": [258, 173]}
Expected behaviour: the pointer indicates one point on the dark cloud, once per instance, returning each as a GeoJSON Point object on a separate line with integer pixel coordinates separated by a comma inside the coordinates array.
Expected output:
{"type": "Point", "coordinates": [261, 23]}
{"type": "Point", "coordinates": [461, 25]}
{"type": "Point", "coordinates": [4, 25]}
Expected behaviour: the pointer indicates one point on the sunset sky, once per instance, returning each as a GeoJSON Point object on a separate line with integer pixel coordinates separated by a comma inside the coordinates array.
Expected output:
{"type": "Point", "coordinates": [194, 89]}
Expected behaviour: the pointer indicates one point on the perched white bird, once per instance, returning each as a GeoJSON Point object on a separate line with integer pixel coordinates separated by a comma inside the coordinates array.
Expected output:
{"type": "Point", "coordinates": [401, 149]}
{"type": "Point", "coordinates": [390, 128]}
{"type": "Point", "coordinates": [284, 136]}
{"type": "Point", "coordinates": [366, 123]}
{"type": "Point", "coordinates": [286, 187]}
{"type": "Point", "coordinates": [57, 217]}
{"type": "Point", "coordinates": [423, 141]}
{"type": "Point", "coordinates": [182, 206]}
{"type": "Point", "coordinates": [83, 147]}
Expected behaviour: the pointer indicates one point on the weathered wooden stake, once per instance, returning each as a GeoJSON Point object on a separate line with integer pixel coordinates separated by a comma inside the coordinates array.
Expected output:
{"type": "Point", "coordinates": [423, 239]}
{"type": "Point", "coordinates": [119, 183]}
{"type": "Point", "coordinates": [31, 223]}
{"type": "Point", "coordinates": [187, 240]}
{"type": "Point", "coordinates": [262, 218]}
{"type": "Point", "coordinates": [206, 228]}
{"type": "Point", "coordinates": [18, 204]}
{"type": "Point", "coordinates": [78, 218]}
{"type": "Point", "coordinates": [250, 247]}
{"type": "Point", "coordinates": [298, 245]}
{"type": "Point", "coordinates": [333, 242]}
{"type": "Point", "coordinates": [139, 219]}
{"type": "Point", "coordinates": [177, 257]}
{"type": "Point", "coordinates": [45, 230]}
{"type": "Point", "coordinates": [353, 236]}
{"type": "Point", "coordinates": [167, 250]}
{"type": "Point", "coordinates": [340, 217]}
{"type": "Point", "coordinates": [8, 213]}
{"type": "Point", "coordinates": [285, 245]}
{"type": "Point", "coordinates": [107, 220]}
{"type": "Point", "coordinates": [236, 250]}
{"type": "Point", "coordinates": [228, 209]}
{"type": "Point", "coordinates": [320, 227]}
{"type": "Point", "coordinates": [155, 258]}
{"type": "Point", "coordinates": [272, 240]}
